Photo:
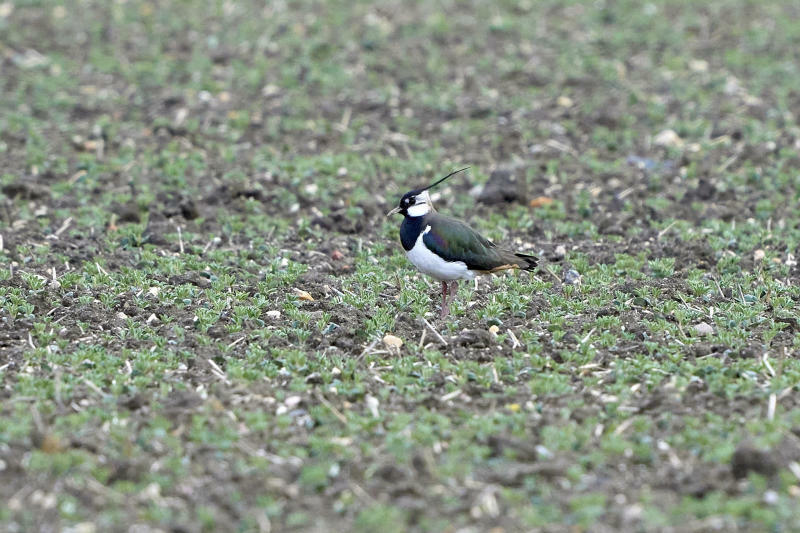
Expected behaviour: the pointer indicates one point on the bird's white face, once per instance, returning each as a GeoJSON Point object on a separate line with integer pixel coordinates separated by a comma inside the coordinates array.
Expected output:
{"type": "Point", "coordinates": [422, 205]}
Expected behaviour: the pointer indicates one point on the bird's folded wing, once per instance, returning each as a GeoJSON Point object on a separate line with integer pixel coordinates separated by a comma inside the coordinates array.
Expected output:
{"type": "Point", "coordinates": [453, 240]}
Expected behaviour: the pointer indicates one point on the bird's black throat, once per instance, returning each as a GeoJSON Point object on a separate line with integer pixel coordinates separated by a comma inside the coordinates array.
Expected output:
{"type": "Point", "coordinates": [410, 230]}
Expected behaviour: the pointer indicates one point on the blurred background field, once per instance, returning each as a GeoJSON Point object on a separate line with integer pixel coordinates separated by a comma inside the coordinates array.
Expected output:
{"type": "Point", "coordinates": [198, 282]}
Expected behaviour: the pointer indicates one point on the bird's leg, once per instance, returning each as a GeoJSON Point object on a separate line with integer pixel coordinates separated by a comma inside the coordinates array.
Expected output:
{"type": "Point", "coordinates": [445, 307]}
{"type": "Point", "coordinates": [453, 289]}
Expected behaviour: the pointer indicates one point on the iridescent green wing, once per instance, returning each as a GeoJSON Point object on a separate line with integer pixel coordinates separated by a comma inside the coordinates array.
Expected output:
{"type": "Point", "coordinates": [453, 240]}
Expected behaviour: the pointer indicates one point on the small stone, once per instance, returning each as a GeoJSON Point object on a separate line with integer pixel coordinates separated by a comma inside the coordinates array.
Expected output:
{"type": "Point", "coordinates": [758, 255]}
{"type": "Point", "coordinates": [273, 315]}
{"type": "Point", "coordinates": [303, 295]}
{"type": "Point", "coordinates": [494, 330]}
{"type": "Point", "coordinates": [151, 492]}
{"type": "Point", "coordinates": [392, 343]}
{"type": "Point", "coordinates": [703, 329]}
{"type": "Point", "coordinates": [180, 116]}
{"type": "Point", "coordinates": [543, 452]}
{"type": "Point", "coordinates": [270, 90]}
{"type": "Point", "coordinates": [122, 316]}
{"type": "Point", "coordinates": [732, 86]}
{"type": "Point", "coordinates": [572, 277]}
{"type": "Point", "coordinates": [771, 497]}
{"type": "Point", "coordinates": [30, 59]}
{"type": "Point", "coordinates": [314, 378]}
{"type": "Point", "coordinates": [153, 291]}
{"type": "Point", "coordinates": [564, 101]}
{"type": "Point", "coordinates": [45, 500]}
{"type": "Point", "coordinates": [668, 138]}
{"type": "Point", "coordinates": [336, 255]}
{"type": "Point", "coordinates": [560, 252]}
{"type": "Point", "coordinates": [698, 65]}
{"type": "Point", "coordinates": [292, 401]}
{"type": "Point", "coordinates": [334, 470]}
{"type": "Point", "coordinates": [632, 513]}
{"type": "Point", "coordinates": [311, 189]}
{"type": "Point", "coordinates": [152, 318]}
{"type": "Point", "coordinates": [643, 163]}
{"type": "Point", "coordinates": [372, 405]}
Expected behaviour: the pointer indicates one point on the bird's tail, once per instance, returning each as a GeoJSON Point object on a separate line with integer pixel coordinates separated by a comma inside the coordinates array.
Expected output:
{"type": "Point", "coordinates": [526, 262]}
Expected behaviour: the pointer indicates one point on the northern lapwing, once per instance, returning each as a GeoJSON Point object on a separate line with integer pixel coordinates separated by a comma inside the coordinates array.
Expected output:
{"type": "Point", "coordinates": [446, 248]}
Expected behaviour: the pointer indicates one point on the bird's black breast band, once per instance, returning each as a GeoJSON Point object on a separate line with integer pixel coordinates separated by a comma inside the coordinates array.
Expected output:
{"type": "Point", "coordinates": [410, 230]}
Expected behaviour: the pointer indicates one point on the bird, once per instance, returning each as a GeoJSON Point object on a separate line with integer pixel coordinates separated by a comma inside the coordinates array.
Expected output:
{"type": "Point", "coordinates": [448, 249]}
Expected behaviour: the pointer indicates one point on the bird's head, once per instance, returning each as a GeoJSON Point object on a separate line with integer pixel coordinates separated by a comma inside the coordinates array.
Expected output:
{"type": "Point", "coordinates": [417, 203]}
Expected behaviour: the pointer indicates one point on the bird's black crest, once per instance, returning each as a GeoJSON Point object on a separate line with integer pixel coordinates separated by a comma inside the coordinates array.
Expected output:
{"type": "Point", "coordinates": [444, 178]}
{"type": "Point", "coordinates": [408, 198]}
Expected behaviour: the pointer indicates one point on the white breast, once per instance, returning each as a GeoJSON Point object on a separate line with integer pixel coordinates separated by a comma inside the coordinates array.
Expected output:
{"type": "Point", "coordinates": [431, 264]}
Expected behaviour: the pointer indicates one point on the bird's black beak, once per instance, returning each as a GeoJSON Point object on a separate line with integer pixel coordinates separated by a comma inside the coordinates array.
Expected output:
{"type": "Point", "coordinates": [393, 212]}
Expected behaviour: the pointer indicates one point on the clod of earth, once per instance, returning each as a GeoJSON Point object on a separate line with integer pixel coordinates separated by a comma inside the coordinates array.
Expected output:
{"type": "Point", "coordinates": [747, 458]}
{"type": "Point", "coordinates": [503, 187]}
